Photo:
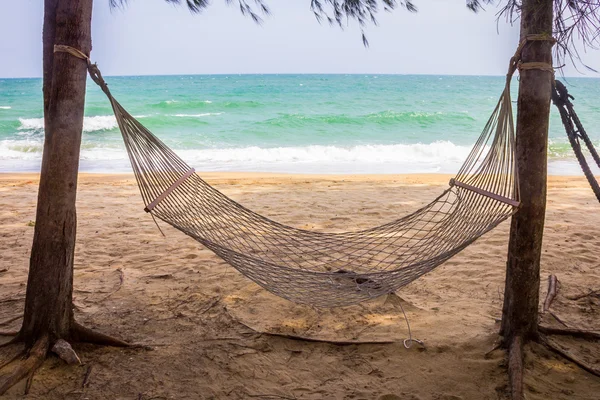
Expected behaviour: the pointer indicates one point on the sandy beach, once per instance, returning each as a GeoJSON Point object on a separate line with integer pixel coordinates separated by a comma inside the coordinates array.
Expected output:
{"type": "Point", "coordinates": [218, 335]}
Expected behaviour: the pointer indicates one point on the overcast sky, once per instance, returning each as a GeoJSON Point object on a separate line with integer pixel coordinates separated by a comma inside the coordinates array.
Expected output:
{"type": "Point", "coordinates": [153, 37]}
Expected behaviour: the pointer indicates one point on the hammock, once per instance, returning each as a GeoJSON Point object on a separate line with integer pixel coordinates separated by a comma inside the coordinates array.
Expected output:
{"type": "Point", "coordinates": [328, 269]}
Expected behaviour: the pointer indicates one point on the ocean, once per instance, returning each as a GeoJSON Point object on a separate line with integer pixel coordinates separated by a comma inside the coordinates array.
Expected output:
{"type": "Point", "coordinates": [288, 123]}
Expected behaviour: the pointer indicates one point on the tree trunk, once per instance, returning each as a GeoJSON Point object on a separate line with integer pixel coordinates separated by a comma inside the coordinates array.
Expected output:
{"type": "Point", "coordinates": [48, 303]}
{"type": "Point", "coordinates": [521, 296]}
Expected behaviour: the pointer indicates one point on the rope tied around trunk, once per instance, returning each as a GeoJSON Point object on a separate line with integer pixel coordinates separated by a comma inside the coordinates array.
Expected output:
{"type": "Point", "coordinates": [517, 64]}
{"type": "Point", "coordinates": [535, 65]}
{"type": "Point", "coordinates": [62, 48]}
{"type": "Point", "coordinates": [92, 67]}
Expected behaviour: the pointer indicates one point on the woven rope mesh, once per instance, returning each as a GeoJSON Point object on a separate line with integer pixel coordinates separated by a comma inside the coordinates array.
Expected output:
{"type": "Point", "coordinates": [331, 269]}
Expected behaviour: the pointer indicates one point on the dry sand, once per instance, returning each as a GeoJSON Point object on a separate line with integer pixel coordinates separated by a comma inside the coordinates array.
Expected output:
{"type": "Point", "coordinates": [203, 316]}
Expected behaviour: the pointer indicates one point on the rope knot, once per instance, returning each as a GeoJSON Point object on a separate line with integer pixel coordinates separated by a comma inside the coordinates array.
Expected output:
{"type": "Point", "coordinates": [92, 68]}
{"type": "Point", "coordinates": [61, 48]}
{"type": "Point", "coordinates": [543, 66]}
{"type": "Point", "coordinates": [515, 60]}
{"type": "Point", "coordinates": [97, 76]}
{"type": "Point", "coordinates": [540, 37]}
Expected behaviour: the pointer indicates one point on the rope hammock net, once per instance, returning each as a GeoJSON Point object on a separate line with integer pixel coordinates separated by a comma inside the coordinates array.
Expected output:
{"type": "Point", "coordinates": [329, 269]}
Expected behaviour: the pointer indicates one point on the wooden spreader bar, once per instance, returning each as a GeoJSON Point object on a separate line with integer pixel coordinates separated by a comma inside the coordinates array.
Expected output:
{"type": "Point", "coordinates": [167, 192]}
{"type": "Point", "coordinates": [506, 200]}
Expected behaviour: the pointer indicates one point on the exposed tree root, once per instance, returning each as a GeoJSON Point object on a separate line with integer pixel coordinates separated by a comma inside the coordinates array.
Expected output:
{"type": "Point", "coordinates": [515, 346]}
{"type": "Point", "coordinates": [589, 335]}
{"type": "Point", "coordinates": [497, 346]}
{"type": "Point", "coordinates": [515, 368]}
{"type": "Point", "coordinates": [330, 341]}
{"type": "Point", "coordinates": [581, 296]}
{"type": "Point", "coordinates": [26, 367]}
{"type": "Point", "coordinates": [270, 396]}
{"type": "Point", "coordinates": [82, 334]}
{"type": "Point", "coordinates": [563, 323]}
{"type": "Point", "coordinates": [14, 358]}
{"type": "Point", "coordinates": [38, 352]}
{"type": "Point", "coordinates": [29, 381]}
{"type": "Point", "coordinates": [86, 378]}
{"type": "Point", "coordinates": [554, 346]}
{"type": "Point", "coordinates": [159, 276]}
{"type": "Point", "coordinates": [317, 340]}
{"type": "Point", "coordinates": [553, 286]}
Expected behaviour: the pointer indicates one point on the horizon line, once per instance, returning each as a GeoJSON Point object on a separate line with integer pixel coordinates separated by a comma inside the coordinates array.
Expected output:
{"type": "Point", "coordinates": [303, 73]}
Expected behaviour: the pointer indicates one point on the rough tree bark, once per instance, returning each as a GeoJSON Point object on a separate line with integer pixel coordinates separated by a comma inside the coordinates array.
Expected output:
{"type": "Point", "coordinates": [521, 295]}
{"type": "Point", "coordinates": [48, 304]}
{"type": "Point", "coordinates": [48, 313]}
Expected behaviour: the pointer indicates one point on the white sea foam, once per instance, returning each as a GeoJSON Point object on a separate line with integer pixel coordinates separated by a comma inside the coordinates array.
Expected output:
{"type": "Point", "coordinates": [90, 124]}
{"type": "Point", "coordinates": [5, 107]}
{"type": "Point", "coordinates": [437, 152]}
{"type": "Point", "coordinates": [31, 123]}
{"type": "Point", "coordinates": [433, 153]}
{"type": "Point", "coordinates": [442, 156]}
{"type": "Point", "coordinates": [99, 123]}
{"type": "Point", "coordinates": [25, 149]}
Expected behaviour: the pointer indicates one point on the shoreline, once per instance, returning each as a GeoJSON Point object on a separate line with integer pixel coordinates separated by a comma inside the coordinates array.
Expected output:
{"type": "Point", "coordinates": [408, 178]}
{"type": "Point", "coordinates": [556, 168]}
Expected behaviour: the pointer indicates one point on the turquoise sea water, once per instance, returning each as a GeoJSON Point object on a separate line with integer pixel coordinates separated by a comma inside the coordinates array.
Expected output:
{"type": "Point", "coordinates": [287, 123]}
